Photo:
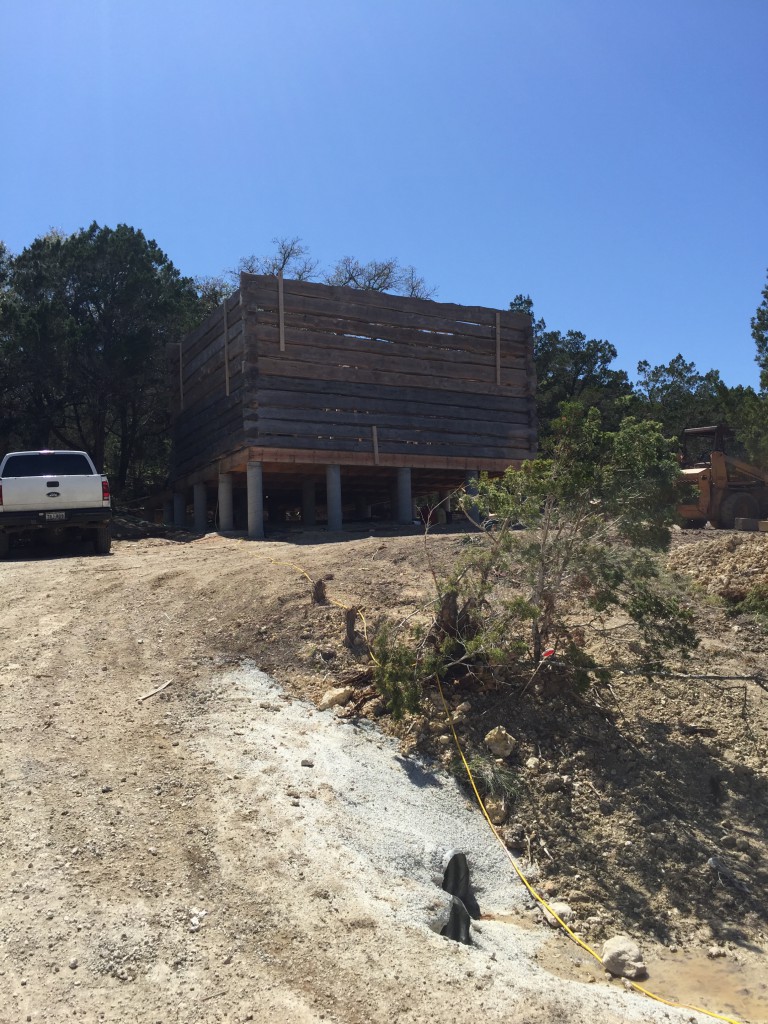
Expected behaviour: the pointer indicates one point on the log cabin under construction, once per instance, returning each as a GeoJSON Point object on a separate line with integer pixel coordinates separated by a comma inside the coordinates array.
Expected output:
{"type": "Point", "coordinates": [310, 403]}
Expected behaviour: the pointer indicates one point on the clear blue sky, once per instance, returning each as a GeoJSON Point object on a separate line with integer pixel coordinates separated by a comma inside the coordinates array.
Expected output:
{"type": "Point", "coordinates": [609, 158]}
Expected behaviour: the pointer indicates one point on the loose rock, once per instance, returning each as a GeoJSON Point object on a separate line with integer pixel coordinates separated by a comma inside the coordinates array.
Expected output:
{"type": "Point", "coordinates": [499, 742]}
{"type": "Point", "coordinates": [623, 959]}
{"type": "Point", "coordinates": [340, 695]}
{"type": "Point", "coordinates": [563, 911]}
{"type": "Point", "coordinates": [497, 810]}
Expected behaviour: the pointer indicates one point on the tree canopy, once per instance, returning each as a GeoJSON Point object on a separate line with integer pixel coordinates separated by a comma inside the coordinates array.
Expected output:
{"type": "Point", "coordinates": [760, 334]}
{"type": "Point", "coordinates": [84, 322]}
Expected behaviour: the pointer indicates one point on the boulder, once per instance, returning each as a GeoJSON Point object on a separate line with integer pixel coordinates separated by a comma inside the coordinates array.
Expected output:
{"type": "Point", "coordinates": [562, 910]}
{"type": "Point", "coordinates": [623, 959]}
{"type": "Point", "coordinates": [336, 697]}
{"type": "Point", "coordinates": [499, 742]}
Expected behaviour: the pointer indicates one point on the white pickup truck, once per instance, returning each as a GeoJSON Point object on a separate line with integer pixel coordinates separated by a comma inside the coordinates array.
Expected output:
{"type": "Point", "coordinates": [54, 494]}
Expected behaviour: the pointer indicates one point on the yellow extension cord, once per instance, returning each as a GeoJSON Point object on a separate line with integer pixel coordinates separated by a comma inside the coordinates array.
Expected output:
{"type": "Point", "coordinates": [539, 899]}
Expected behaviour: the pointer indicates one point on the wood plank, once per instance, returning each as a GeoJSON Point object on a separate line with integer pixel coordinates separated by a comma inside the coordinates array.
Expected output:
{"type": "Point", "coordinates": [365, 315]}
{"type": "Point", "coordinates": [352, 394]}
{"type": "Point", "coordinates": [212, 342]}
{"type": "Point", "coordinates": [401, 436]}
{"type": "Point", "coordinates": [498, 349]}
{"type": "Point", "coordinates": [313, 344]}
{"type": "Point", "coordinates": [226, 348]}
{"type": "Point", "coordinates": [444, 423]}
{"type": "Point", "coordinates": [516, 385]}
{"type": "Point", "coordinates": [362, 357]}
{"type": "Point", "coordinates": [385, 447]}
{"type": "Point", "coordinates": [293, 464]}
{"type": "Point", "coordinates": [480, 341]}
{"type": "Point", "coordinates": [213, 328]}
{"type": "Point", "coordinates": [281, 310]}
{"type": "Point", "coordinates": [251, 284]}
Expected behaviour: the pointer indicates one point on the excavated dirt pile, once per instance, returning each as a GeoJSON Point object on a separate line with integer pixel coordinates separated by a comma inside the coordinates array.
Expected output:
{"type": "Point", "coordinates": [727, 564]}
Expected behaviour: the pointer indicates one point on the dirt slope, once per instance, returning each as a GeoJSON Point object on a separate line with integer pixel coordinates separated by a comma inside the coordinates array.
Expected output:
{"type": "Point", "coordinates": [173, 860]}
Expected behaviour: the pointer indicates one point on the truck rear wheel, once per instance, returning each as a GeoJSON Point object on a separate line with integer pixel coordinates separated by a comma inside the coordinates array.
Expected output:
{"type": "Point", "coordinates": [738, 505]}
{"type": "Point", "coordinates": [102, 540]}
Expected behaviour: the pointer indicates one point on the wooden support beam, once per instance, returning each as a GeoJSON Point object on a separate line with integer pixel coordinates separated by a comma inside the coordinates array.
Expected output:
{"type": "Point", "coordinates": [281, 309]}
{"type": "Point", "coordinates": [375, 437]}
{"type": "Point", "coordinates": [498, 349]}
{"type": "Point", "coordinates": [226, 348]}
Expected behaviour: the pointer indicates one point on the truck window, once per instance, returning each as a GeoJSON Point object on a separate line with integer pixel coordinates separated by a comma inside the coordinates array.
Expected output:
{"type": "Point", "coordinates": [50, 464]}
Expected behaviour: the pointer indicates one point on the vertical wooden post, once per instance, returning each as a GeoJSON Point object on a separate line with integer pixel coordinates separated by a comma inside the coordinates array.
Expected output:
{"type": "Point", "coordinates": [498, 347]}
{"type": "Point", "coordinates": [375, 437]}
{"type": "Point", "coordinates": [226, 349]}
{"type": "Point", "coordinates": [226, 511]}
{"type": "Point", "coordinates": [333, 497]}
{"type": "Point", "coordinates": [281, 310]}
{"type": "Point", "coordinates": [201, 507]}
{"type": "Point", "coordinates": [255, 498]}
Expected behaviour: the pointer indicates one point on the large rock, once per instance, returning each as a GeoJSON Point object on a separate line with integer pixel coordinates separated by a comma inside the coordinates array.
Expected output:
{"type": "Point", "coordinates": [499, 742]}
{"type": "Point", "coordinates": [334, 698]}
{"type": "Point", "coordinates": [563, 911]}
{"type": "Point", "coordinates": [623, 959]}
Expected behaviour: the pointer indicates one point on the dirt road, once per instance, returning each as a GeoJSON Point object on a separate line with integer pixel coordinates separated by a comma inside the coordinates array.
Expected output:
{"type": "Point", "coordinates": [219, 851]}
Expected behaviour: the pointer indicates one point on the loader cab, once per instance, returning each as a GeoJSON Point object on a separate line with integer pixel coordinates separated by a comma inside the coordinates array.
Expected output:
{"type": "Point", "coordinates": [698, 443]}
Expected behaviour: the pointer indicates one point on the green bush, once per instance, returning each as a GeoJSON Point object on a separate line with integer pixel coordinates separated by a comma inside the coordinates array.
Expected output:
{"type": "Point", "coordinates": [575, 540]}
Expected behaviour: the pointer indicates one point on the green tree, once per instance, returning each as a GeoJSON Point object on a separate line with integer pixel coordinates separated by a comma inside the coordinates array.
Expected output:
{"type": "Point", "coordinates": [594, 511]}
{"type": "Point", "coordinates": [85, 321]}
{"type": "Point", "coordinates": [760, 334]}
{"type": "Point", "coordinates": [571, 367]}
{"type": "Point", "coordinates": [677, 395]}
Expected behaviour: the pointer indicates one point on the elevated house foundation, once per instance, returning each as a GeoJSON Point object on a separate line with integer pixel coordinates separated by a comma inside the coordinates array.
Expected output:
{"type": "Point", "coordinates": [305, 403]}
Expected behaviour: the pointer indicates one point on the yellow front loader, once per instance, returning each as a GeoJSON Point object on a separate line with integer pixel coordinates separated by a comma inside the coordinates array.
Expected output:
{"type": "Point", "coordinates": [720, 487]}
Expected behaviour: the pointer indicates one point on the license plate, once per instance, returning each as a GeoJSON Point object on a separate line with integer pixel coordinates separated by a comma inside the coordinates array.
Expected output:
{"type": "Point", "coordinates": [54, 517]}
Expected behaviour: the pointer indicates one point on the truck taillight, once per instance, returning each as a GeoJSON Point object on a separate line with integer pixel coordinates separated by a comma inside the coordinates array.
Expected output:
{"type": "Point", "coordinates": [1, 494]}
{"type": "Point", "coordinates": [105, 490]}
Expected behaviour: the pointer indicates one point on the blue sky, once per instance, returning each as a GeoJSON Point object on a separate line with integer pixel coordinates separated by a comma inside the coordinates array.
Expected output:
{"type": "Point", "coordinates": [608, 158]}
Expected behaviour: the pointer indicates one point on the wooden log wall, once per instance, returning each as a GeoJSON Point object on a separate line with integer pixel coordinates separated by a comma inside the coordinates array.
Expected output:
{"type": "Point", "coordinates": [313, 369]}
{"type": "Point", "coordinates": [208, 389]}
{"type": "Point", "coordinates": [356, 371]}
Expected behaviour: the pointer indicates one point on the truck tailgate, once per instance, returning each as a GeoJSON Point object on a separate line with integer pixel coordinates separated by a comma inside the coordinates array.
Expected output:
{"type": "Point", "coordinates": [44, 494]}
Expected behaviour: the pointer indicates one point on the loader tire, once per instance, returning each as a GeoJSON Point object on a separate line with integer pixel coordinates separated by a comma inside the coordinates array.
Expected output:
{"type": "Point", "coordinates": [739, 505]}
{"type": "Point", "coordinates": [694, 524]}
